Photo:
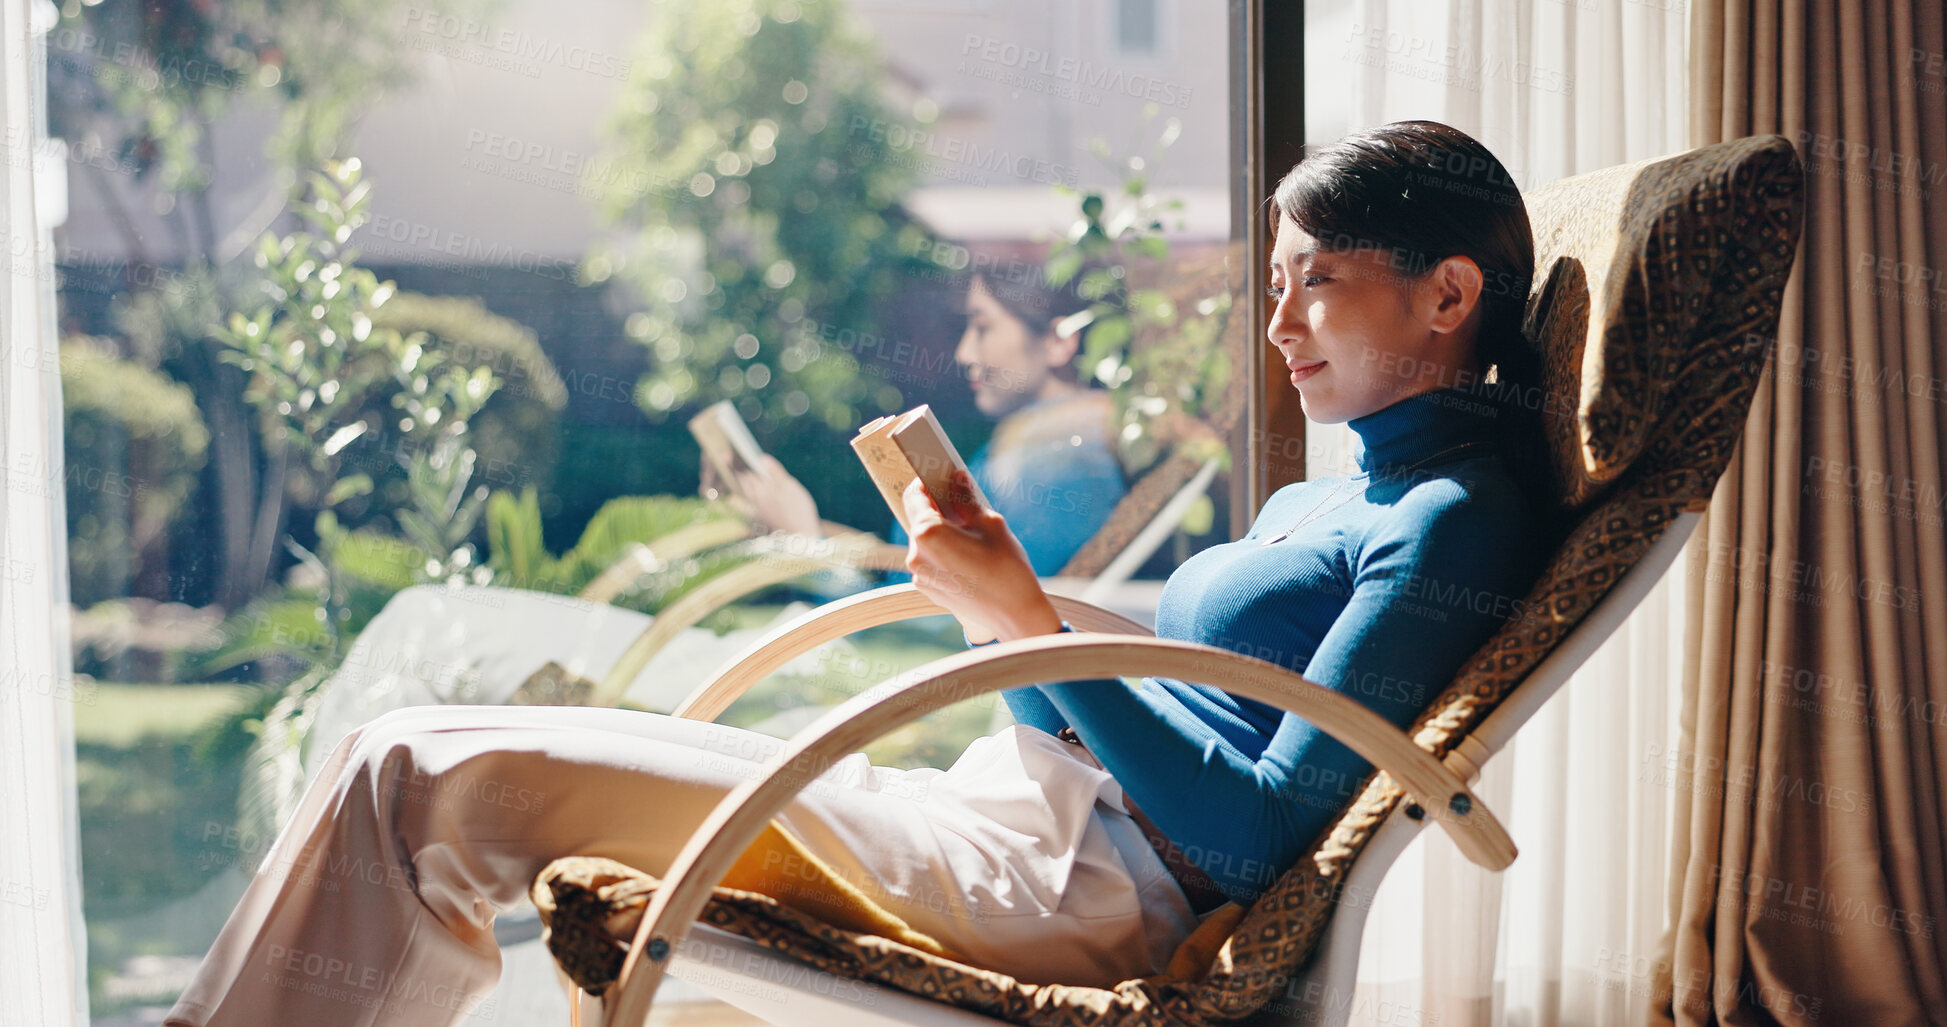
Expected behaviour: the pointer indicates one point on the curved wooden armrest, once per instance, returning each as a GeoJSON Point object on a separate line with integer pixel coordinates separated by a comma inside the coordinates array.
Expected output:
{"type": "Point", "coordinates": [636, 561]}
{"type": "Point", "coordinates": [839, 618]}
{"type": "Point", "coordinates": [791, 556]}
{"type": "Point", "coordinates": [742, 814]}
{"type": "Point", "coordinates": [642, 559]}
{"type": "Point", "coordinates": [866, 551]}
{"type": "Point", "coordinates": [883, 550]}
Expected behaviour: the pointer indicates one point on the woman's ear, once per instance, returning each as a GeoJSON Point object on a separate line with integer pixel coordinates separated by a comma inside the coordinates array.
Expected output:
{"type": "Point", "coordinates": [1060, 347]}
{"type": "Point", "coordinates": [1454, 293]}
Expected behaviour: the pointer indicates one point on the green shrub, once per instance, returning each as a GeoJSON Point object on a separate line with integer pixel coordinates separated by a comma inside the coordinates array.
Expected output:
{"type": "Point", "coordinates": [520, 559]}
{"type": "Point", "coordinates": [135, 443]}
{"type": "Point", "coordinates": [516, 434]}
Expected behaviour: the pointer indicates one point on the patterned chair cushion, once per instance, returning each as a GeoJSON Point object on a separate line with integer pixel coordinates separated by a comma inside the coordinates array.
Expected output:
{"type": "Point", "coordinates": [1705, 241]}
{"type": "Point", "coordinates": [1633, 265]}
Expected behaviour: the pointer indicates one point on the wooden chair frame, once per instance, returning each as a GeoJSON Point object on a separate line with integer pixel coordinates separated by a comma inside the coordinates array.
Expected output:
{"type": "Point", "coordinates": [1320, 994]}
{"type": "Point", "coordinates": [786, 558]}
{"type": "Point", "coordinates": [794, 557]}
{"type": "Point", "coordinates": [744, 812]}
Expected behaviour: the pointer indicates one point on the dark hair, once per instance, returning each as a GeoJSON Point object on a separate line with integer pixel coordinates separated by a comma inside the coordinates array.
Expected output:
{"type": "Point", "coordinates": [1033, 300]}
{"type": "Point", "coordinates": [1428, 191]}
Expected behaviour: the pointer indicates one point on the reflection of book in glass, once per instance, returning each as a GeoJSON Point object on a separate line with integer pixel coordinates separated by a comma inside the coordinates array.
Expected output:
{"type": "Point", "coordinates": [727, 442]}
{"type": "Point", "coordinates": [901, 447]}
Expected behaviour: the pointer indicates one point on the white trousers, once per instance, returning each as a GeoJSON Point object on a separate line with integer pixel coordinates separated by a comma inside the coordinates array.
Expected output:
{"type": "Point", "coordinates": [375, 904]}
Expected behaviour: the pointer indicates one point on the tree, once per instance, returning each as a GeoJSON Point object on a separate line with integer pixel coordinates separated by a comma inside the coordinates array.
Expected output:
{"type": "Point", "coordinates": [318, 361]}
{"type": "Point", "coordinates": [134, 87]}
{"type": "Point", "coordinates": [753, 160]}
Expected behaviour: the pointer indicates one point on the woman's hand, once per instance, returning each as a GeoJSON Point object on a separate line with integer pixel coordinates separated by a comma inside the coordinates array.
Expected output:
{"type": "Point", "coordinates": [967, 561]}
{"type": "Point", "coordinates": [770, 497]}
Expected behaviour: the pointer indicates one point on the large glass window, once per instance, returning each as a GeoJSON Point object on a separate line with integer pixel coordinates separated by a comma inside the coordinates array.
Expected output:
{"type": "Point", "coordinates": [1136, 25]}
{"type": "Point", "coordinates": [383, 325]}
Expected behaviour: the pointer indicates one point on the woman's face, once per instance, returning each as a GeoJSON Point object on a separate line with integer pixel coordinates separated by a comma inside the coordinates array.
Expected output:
{"type": "Point", "coordinates": [1008, 364]}
{"type": "Point", "coordinates": [1356, 335]}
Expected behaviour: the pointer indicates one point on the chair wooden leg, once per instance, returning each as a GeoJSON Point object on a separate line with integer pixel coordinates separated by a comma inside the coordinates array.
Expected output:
{"type": "Point", "coordinates": [576, 998]}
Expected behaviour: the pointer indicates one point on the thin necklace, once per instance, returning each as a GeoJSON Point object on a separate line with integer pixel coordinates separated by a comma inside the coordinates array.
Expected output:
{"type": "Point", "coordinates": [1320, 511]}
{"type": "Point", "coordinates": [1314, 512]}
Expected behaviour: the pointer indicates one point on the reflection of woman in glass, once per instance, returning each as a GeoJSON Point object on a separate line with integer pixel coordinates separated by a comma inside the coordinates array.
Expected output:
{"type": "Point", "coordinates": [1049, 468]}
{"type": "Point", "coordinates": [1400, 272]}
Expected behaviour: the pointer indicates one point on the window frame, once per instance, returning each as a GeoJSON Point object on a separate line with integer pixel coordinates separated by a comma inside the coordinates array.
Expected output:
{"type": "Point", "coordinates": [1267, 136]}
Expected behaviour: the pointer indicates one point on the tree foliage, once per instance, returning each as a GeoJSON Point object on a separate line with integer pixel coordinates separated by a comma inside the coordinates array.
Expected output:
{"type": "Point", "coordinates": [751, 164]}
{"type": "Point", "coordinates": [141, 81]}
{"type": "Point", "coordinates": [1156, 327]}
{"type": "Point", "coordinates": [134, 87]}
{"type": "Point", "coordinates": [318, 361]}
{"type": "Point", "coordinates": [135, 444]}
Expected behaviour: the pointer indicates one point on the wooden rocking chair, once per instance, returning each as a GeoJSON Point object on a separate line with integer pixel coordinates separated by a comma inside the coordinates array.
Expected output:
{"type": "Point", "coordinates": [1658, 288]}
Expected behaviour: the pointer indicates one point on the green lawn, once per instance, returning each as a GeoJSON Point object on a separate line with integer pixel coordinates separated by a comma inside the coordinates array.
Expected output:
{"type": "Point", "coordinates": [157, 790]}
{"type": "Point", "coordinates": [120, 715]}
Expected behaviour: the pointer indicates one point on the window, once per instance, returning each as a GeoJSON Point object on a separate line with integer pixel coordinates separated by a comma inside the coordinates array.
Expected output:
{"type": "Point", "coordinates": [1136, 27]}
{"type": "Point", "coordinates": [381, 333]}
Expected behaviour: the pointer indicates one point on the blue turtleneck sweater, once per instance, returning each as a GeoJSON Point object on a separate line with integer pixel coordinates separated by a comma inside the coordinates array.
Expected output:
{"type": "Point", "coordinates": [1378, 586]}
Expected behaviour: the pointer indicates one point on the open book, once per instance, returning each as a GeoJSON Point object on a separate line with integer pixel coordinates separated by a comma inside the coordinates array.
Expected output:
{"type": "Point", "coordinates": [898, 448]}
{"type": "Point", "coordinates": [727, 442]}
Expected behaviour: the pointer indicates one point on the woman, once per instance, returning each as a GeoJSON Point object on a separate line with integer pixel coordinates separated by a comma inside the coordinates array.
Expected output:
{"type": "Point", "coordinates": [1049, 468]}
{"type": "Point", "coordinates": [1026, 856]}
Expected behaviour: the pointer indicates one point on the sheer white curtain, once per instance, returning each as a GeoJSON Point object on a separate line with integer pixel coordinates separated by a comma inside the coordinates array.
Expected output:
{"type": "Point", "coordinates": [42, 981]}
{"type": "Point", "coordinates": [1566, 935]}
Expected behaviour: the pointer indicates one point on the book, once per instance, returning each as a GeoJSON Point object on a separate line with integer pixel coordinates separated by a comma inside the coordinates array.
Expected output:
{"type": "Point", "coordinates": [900, 447]}
{"type": "Point", "coordinates": [727, 442]}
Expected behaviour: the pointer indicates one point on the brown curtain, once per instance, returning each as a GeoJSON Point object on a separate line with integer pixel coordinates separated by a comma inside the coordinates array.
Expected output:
{"type": "Point", "coordinates": [1810, 880]}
